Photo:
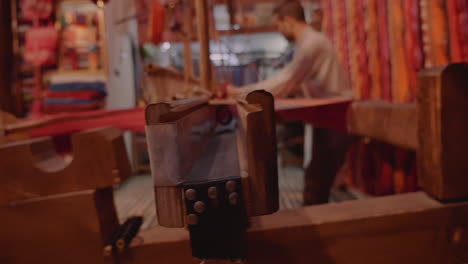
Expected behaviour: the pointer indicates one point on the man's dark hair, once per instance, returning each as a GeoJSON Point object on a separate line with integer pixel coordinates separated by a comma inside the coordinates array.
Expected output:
{"type": "Point", "coordinates": [291, 8]}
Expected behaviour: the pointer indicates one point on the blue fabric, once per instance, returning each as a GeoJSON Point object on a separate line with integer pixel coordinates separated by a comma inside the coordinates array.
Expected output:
{"type": "Point", "coordinates": [79, 86]}
{"type": "Point", "coordinates": [67, 101]}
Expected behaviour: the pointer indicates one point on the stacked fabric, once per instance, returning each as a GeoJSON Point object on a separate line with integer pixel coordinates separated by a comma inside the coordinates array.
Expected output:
{"type": "Point", "coordinates": [72, 92]}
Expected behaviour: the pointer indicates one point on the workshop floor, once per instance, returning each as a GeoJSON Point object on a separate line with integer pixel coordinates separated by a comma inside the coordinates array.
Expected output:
{"type": "Point", "coordinates": [135, 196]}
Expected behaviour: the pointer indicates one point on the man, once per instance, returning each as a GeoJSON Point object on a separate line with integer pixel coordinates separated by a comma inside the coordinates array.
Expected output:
{"type": "Point", "coordinates": [316, 72]}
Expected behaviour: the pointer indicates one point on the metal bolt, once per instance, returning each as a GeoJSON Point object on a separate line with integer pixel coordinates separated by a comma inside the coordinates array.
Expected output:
{"type": "Point", "coordinates": [233, 198]}
{"type": "Point", "coordinates": [231, 186]}
{"type": "Point", "coordinates": [191, 194]}
{"type": "Point", "coordinates": [199, 207]}
{"type": "Point", "coordinates": [192, 219]}
{"type": "Point", "coordinates": [212, 192]}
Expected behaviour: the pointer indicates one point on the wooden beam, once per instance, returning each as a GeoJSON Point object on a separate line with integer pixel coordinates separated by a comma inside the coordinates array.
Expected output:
{"type": "Point", "coordinates": [164, 84]}
{"type": "Point", "coordinates": [100, 161]}
{"type": "Point", "coordinates": [206, 74]}
{"type": "Point", "coordinates": [409, 228]}
{"type": "Point", "coordinates": [443, 130]}
{"type": "Point", "coordinates": [67, 228]}
{"type": "Point", "coordinates": [6, 58]}
{"type": "Point", "coordinates": [391, 123]}
{"type": "Point", "coordinates": [188, 36]}
{"type": "Point", "coordinates": [256, 141]}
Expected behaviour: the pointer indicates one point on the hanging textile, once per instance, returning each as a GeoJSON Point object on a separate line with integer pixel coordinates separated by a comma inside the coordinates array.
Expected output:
{"type": "Point", "coordinates": [373, 49]}
{"type": "Point", "coordinates": [37, 9]}
{"type": "Point", "coordinates": [157, 21]}
{"type": "Point", "coordinates": [414, 56]}
{"type": "Point", "coordinates": [41, 45]}
{"type": "Point", "coordinates": [357, 48]}
{"type": "Point", "coordinates": [353, 45]}
{"type": "Point", "coordinates": [340, 34]}
{"type": "Point", "coordinates": [384, 47]}
{"type": "Point", "coordinates": [400, 75]}
{"type": "Point", "coordinates": [457, 13]}
{"type": "Point", "coordinates": [435, 37]}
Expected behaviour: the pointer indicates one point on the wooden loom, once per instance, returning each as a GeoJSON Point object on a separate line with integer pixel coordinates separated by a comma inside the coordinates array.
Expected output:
{"type": "Point", "coordinates": [73, 212]}
{"type": "Point", "coordinates": [425, 227]}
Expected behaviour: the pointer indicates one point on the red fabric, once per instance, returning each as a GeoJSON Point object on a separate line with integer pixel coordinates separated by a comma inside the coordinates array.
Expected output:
{"type": "Point", "coordinates": [57, 108]}
{"type": "Point", "coordinates": [384, 50]}
{"type": "Point", "coordinates": [331, 116]}
{"type": "Point", "coordinates": [413, 43]}
{"type": "Point", "coordinates": [158, 17]}
{"type": "Point", "coordinates": [131, 120]}
{"type": "Point", "coordinates": [41, 44]}
{"type": "Point", "coordinates": [36, 9]}
{"type": "Point", "coordinates": [326, 116]}
{"type": "Point", "coordinates": [80, 95]}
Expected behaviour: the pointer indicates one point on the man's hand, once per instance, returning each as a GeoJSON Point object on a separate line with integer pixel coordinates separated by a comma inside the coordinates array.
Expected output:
{"type": "Point", "coordinates": [234, 91]}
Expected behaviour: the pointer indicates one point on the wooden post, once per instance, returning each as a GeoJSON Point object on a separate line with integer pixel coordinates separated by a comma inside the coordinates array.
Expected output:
{"type": "Point", "coordinates": [443, 130]}
{"type": "Point", "coordinates": [204, 40]}
{"type": "Point", "coordinates": [232, 13]}
{"type": "Point", "coordinates": [6, 57]}
{"type": "Point", "coordinates": [188, 59]}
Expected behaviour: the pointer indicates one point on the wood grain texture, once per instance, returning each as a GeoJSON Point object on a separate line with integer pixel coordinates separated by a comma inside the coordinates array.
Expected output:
{"type": "Point", "coordinates": [443, 130]}
{"type": "Point", "coordinates": [6, 59]}
{"type": "Point", "coordinates": [57, 229]}
{"type": "Point", "coordinates": [3, 138]}
{"type": "Point", "coordinates": [163, 84]}
{"type": "Point", "coordinates": [202, 13]}
{"type": "Point", "coordinates": [174, 146]}
{"type": "Point", "coordinates": [6, 121]}
{"type": "Point", "coordinates": [409, 228]}
{"type": "Point", "coordinates": [31, 169]}
{"type": "Point", "coordinates": [387, 122]}
{"type": "Point", "coordinates": [258, 153]}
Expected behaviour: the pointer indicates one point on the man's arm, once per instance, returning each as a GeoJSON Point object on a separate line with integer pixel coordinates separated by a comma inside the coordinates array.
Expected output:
{"type": "Point", "coordinates": [286, 81]}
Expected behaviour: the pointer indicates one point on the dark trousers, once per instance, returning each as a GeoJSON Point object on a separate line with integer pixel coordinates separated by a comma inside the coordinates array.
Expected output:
{"type": "Point", "coordinates": [328, 156]}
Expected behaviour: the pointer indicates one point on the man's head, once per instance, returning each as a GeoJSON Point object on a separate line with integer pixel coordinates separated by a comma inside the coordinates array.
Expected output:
{"type": "Point", "coordinates": [288, 16]}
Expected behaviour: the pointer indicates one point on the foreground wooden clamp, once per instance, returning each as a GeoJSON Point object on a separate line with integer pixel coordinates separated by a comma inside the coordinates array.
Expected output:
{"type": "Point", "coordinates": [183, 147]}
{"type": "Point", "coordinates": [210, 175]}
{"type": "Point", "coordinates": [32, 168]}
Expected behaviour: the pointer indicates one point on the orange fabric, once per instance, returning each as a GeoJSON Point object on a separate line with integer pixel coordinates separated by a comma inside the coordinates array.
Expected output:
{"type": "Point", "coordinates": [373, 48]}
{"type": "Point", "coordinates": [400, 78]}
{"type": "Point", "coordinates": [158, 17]}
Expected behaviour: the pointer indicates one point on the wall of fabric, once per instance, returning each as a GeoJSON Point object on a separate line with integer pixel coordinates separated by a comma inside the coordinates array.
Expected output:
{"type": "Point", "coordinates": [383, 44]}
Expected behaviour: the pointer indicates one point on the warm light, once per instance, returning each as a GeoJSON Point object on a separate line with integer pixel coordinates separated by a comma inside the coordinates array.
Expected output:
{"type": "Point", "coordinates": [166, 46]}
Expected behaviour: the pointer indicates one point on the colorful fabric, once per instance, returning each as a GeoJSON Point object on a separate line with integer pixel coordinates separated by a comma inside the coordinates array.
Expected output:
{"type": "Point", "coordinates": [399, 65]}
{"type": "Point", "coordinates": [435, 38]}
{"type": "Point", "coordinates": [41, 45]}
{"type": "Point", "coordinates": [384, 47]}
{"type": "Point", "coordinates": [83, 95]}
{"type": "Point", "coordinates": [68, 101]}
{"type": "Point", "coordinates": [79, 86]}
{"type": "Point", "coordinates": [37, 9]}
{"type": "Point", "coordinates": [413, 44]}
{"type": "Point", "coordinates": [373, 49]}
{"type": "Point", "coordinates": [457, 13]}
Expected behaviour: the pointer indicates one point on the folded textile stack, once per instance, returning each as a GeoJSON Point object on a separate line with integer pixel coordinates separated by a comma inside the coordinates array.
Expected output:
{"type": "Point", "coordinates": [72, 92]}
